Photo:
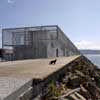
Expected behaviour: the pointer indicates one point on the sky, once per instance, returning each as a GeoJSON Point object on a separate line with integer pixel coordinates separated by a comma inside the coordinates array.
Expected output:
{"type": "Point", "coordinates": [79, 19]}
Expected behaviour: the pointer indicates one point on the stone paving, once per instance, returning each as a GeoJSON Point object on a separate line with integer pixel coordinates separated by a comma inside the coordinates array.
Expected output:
{"type": "Point", "coordinates": [15, 74]}
{"type": "Point", "coordinates": [9, 85]}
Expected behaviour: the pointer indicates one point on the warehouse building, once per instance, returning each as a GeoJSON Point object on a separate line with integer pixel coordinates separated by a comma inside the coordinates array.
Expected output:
{"type": "Point", "coordinates": [36, 42]}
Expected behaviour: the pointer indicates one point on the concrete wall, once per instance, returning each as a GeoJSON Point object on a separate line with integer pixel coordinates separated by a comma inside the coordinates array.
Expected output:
{"type": "Point", "coordinates": [66, 44]}
{"type": "Point", "coordinates": [54, 49]}
{"type": "Point", "coordinates": [61, 44]}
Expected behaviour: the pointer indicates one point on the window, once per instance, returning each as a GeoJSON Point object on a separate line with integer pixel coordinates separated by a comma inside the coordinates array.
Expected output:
{"type": "Point", "coordinates": [18, 38]}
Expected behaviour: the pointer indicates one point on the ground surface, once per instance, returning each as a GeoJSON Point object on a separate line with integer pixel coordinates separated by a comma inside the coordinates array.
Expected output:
{"type": "Point", "coordinates": [15, 74]}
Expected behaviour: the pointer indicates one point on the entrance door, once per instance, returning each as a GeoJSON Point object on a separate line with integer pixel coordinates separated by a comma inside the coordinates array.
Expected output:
{"type": "Point", "coordinates": [57, 52]}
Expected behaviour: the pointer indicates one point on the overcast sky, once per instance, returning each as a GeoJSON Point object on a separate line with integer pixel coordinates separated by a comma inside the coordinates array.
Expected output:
{"type": "Point", "coordinates": [79, 19]}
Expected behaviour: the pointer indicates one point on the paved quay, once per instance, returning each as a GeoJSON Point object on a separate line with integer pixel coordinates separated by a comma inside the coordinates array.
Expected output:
{"type": "Point", "coordinates": [15, 74]}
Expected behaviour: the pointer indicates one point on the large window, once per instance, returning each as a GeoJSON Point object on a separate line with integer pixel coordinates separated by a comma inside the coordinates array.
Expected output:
{"type": "Point", "coordinates": [18, 38]}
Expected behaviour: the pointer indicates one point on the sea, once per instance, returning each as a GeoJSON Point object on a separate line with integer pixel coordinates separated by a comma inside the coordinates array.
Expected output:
{"type": "Point", "coordinates": [95, 58]}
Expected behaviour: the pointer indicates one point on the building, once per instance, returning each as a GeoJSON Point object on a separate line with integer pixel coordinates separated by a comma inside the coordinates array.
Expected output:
{"type": "Point", "coordinates": [36, 42]}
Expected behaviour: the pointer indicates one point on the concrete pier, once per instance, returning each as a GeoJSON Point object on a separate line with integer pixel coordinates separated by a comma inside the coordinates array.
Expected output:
{"type": "Point", "coordinates": [17, 77]}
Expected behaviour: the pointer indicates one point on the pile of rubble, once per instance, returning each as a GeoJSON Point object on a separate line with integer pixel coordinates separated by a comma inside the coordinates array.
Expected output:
{"type": "Point", "coordinates": [81, 82]}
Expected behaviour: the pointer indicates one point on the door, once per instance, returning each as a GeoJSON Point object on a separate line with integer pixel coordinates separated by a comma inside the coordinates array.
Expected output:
{"type": "Point", "coordinates": [57, 52]}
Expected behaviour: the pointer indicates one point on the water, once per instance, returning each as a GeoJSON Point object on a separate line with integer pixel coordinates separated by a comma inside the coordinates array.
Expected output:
{"type": "Point", "coordinates": [94, 58]}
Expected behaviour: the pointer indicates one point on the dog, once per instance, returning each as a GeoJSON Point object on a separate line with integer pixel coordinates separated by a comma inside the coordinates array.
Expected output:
{"type": "Point", "coordinates": [53, 62]}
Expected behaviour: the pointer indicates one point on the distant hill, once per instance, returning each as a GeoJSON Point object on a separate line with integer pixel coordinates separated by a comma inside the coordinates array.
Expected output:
{"type": "Point", "coordinates": [90, 51]}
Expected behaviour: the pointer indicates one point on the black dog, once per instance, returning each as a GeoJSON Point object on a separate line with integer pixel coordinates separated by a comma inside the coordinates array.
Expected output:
{"type": "Point", "coordinates": [53, 62]}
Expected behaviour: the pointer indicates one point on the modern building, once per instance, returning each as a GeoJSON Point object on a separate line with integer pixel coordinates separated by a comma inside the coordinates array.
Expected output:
{"type": "Point", "coordinates": [36, 42]}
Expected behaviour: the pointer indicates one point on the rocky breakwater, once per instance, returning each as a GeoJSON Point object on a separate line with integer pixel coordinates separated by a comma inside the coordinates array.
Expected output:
{"type": "Point", "coordinates": [80, 82]}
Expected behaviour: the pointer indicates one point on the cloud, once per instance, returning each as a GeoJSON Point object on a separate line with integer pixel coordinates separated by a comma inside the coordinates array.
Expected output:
{"type": "Point", "coordinates": [87, 45]}
{"type": "Point", "coordinates": [11, 1]}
